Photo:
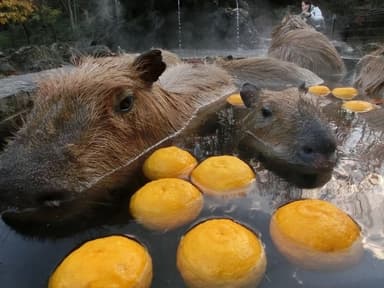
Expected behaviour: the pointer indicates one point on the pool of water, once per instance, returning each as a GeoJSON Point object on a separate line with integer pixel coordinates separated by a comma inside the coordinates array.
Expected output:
{"type": "Point", "coordinates": [357, 187]}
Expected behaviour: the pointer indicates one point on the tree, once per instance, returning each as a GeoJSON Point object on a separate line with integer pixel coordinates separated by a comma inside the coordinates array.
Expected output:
{"type": "Point", "coordinates": [15, 11]}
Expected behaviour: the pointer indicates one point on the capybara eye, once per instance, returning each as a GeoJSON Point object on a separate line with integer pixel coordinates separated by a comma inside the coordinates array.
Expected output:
{"type": "Point", "coordinates": [126, 104]}
{"type": "Point", "coordinates": [266, 112]}
{"type": "Point", "coordinates": [307, 150]}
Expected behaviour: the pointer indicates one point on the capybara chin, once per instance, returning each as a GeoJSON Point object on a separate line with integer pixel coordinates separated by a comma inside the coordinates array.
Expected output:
{"type": "Point", "coordinates": [296, 41]}
{"type": "Point", "coordinates": [90, 129]}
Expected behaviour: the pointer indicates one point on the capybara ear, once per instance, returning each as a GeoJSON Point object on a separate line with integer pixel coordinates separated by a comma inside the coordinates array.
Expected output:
{"type": "Point", "coordinates": [249, 94]}
{"type": "Point", "coordinates": [303, 88]}
{"type": "Point", "coordinates": [149, 65]}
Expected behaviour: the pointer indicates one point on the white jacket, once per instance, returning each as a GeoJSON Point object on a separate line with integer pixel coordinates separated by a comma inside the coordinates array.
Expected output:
{"type": "Point", "coordinates": [316, 14]}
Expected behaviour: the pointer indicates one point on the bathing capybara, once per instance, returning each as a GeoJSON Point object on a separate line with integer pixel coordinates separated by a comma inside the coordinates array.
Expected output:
{"type": "Point", "coordinates": [90, 128]}
{"type": "Point", "coordinates": [268, 72]}
{"type": "Point", "coordinates": [369, 79]}
{"type": "Point", "coordinates": [296, 41]}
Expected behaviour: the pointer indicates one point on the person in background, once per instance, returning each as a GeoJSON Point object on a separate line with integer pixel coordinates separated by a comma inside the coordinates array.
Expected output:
{"type": "Point", "coordinates": [313, 15]}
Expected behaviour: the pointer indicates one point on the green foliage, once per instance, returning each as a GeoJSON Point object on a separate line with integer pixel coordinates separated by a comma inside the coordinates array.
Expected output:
{"type": "Point", "coordinates": [46, 14]}
{"type": "Point", "coordinates": [5, 39]}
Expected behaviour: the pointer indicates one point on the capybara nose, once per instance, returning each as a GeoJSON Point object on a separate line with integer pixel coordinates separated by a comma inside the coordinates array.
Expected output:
{"type": "Point", "coordinates": [30, 196]}
{"type": "Point", "coordinates": [320, 153]}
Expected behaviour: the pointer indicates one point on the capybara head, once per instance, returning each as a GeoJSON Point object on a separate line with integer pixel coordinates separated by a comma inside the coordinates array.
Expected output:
{"type": "Point", "coordinates": [84, 124]}
{"type": "Point", "coordinates": [90, 121]}
{"type": "Point", "coordinates": [285, 131]}
{"type": "Point", "coordinates": [295, 41]}
{"type": "Point", "coordinates": [369, 78]}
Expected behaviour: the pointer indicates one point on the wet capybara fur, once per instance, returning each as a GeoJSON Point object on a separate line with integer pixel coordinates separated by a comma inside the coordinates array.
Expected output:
{"type": "Point", "coordinates": [90, 128]}
{"type": "Point", "coordinates": [296, 41]}
{"type": "Point", "coordinates": [268, 72]}
{"type": "Point", "coordinates": [369, 78]}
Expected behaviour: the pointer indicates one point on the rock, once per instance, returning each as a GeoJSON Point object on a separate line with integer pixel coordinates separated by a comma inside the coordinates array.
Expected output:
{"type": "Point", "coordinates": [6, 68]}
{"type": "Point", "coordinates": [97, 51]}
{"type": "Point", "coordinates": [35, 58]}
{"type": "Point", "coordinates": [16, 91]}
{"type": "Point", "coordinates": [342, 47]}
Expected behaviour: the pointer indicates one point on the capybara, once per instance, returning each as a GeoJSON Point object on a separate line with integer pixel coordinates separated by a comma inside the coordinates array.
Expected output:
{"type": "Point", "coordinates": [369, 78]}
{"type": "Point", "coordinates": [296, 41]}
{"type": "Point", "coordinates": [90, 129]}
{"type": "Point", "coordinates": [268, 72]}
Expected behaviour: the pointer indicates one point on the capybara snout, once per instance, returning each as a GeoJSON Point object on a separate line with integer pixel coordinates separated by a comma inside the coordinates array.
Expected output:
{"type": "Point", "coordinates": [318, 146]}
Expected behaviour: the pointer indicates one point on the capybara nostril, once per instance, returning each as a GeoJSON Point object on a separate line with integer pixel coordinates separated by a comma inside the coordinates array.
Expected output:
{"type": "Point", "coordinates": [307, 150]}
{"type": "Point", "coordinates": [319, 154]}
{"type": "Point", "coordinates": [53, 197]}
{"type": "Point", "coordinates": [321, 148]}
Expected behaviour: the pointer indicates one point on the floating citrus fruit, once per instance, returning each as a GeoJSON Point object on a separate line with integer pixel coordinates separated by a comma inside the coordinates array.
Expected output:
{"type": "Point", "coordinates": [358, 106]}
{"type": "Point", "coordinates": [345, 93]}
{"type": "Point", "coordinates": [169, 162]}
{"type": "Point", "coordinates": [319, 90]}
{"type": "Point", "coordinates": [166, 203]}
{"type": "Point", "coordinates": [315, 234]}
{"type": "Point", "coordinates": [223, 175]}
{"type": "Point", "coordinates": [235, 100]}
{"type": "Point", "coordinates": [221, 253]}
{"type": "Point", "coordinates": [114, 261]}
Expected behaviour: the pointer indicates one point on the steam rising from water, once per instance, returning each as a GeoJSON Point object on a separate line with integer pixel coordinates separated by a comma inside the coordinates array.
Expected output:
{"type": "Point", "coordinates": [108, 10]}
{"type": "Point", "coordinates": [209, 25]}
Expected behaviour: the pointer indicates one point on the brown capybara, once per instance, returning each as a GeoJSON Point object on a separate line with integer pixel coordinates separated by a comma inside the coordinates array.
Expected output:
{"type": "Point", "coordinates": [296, 41]}
{"type": "Point", "coordinates": [268, 72]}
{"type": "Point", "coordinates": [369, 78]}
{"type": "Point", "coordinates": [90, 129]}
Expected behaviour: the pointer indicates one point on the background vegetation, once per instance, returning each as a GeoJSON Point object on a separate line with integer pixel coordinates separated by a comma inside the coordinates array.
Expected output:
{"type": "Point", "coordinates": [140, 24]}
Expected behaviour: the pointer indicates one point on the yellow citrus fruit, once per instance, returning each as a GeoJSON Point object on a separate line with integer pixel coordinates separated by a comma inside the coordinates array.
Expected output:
{"type": "Point", "coordinates": [221, 253]}
{"type": "Point", "coordinates": [235, 100]}
{"type": "Point", "coordinates": [315, 234]}
{"type": "Point", "coordinates": [345, 93]}
{"type": "Point", "coordinates": [223, 175]}
{"type": "Point", "coordinates": [319, 90]}
{"type": "Point", "coordinates": [166, 203]}
{"type": "Point", "coordinates": [169, 162]}
{"type": "Point", "coordinates": [358, 106]}
{"type": "Point", "coordinates": [114, 261]}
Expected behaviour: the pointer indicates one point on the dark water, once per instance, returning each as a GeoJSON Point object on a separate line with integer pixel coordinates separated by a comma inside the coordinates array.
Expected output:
{"type": "Point", "coordinates": [357, 187]}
